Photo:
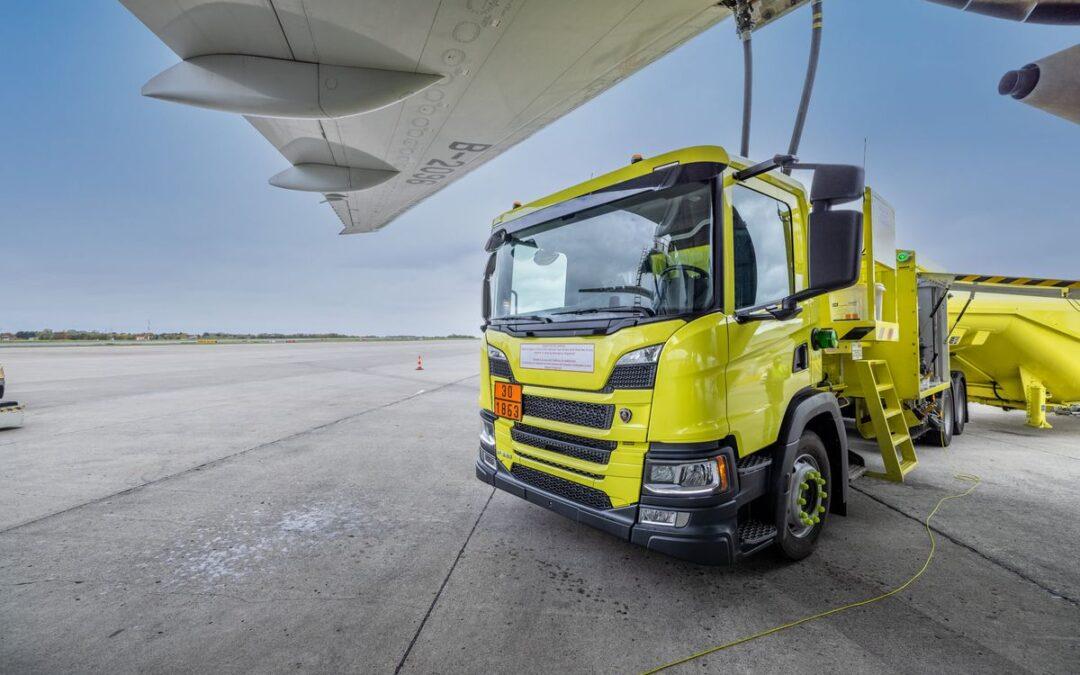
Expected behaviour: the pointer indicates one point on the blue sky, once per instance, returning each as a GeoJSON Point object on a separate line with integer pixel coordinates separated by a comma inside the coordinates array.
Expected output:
{"type": "Point", "coordinates": [116, 210]}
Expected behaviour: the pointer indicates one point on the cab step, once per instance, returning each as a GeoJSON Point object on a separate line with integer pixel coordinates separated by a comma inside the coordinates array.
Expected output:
{"type": "Point", "coordinates": [856, 465]}
{"type": "Point", "coordinates": [758, 461]}
{"type": "Point", "coordinates": [754, 534]}
{"type": "Point", "coordinates": [753, 476]}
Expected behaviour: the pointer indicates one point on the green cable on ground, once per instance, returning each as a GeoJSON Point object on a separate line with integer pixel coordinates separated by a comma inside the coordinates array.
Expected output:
{"type": "Point", "coordinates": [975, 480]}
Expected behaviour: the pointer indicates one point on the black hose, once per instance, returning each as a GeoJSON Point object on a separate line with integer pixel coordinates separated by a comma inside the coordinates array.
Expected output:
{"type": "Point", "coordinates": [748, 93]}
{"type": "Point", "coordinates": [808, 83]}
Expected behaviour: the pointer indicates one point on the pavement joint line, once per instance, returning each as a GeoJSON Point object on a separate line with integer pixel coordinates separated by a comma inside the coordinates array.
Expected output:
{"type": "Point", "coordinates": [225, 458]}
{"type": "Point", "coordinates": [191, 410]}
{"type": "Point", "coordinates": [203, 385]}
{"type": "Point", "coordinates": [999, 563]}
{"type": "Point", "coordinates": [442, 586]}
{"type": "Point", "coordinates": [115, 424]}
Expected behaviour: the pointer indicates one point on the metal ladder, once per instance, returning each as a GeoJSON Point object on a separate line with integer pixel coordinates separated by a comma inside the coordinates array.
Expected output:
{"type": "Point", "coordinates": [887, 416]}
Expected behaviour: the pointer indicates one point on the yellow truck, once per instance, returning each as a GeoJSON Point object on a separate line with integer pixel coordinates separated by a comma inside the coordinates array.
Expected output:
{"type": "Point", "coordinates": [677, 352]}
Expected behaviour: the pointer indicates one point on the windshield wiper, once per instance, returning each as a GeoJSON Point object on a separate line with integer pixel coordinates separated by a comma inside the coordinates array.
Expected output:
{"type": "Point", "coordinates": [525, 317]}
{"type": "Point", "coordinates": [648, 311]}
{"type": "Point", "coordinates": [637, 290]}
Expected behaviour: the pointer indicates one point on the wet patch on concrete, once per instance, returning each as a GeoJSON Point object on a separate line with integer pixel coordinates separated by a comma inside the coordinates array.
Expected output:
{"type": "Point", "coordinates": [246, 543]}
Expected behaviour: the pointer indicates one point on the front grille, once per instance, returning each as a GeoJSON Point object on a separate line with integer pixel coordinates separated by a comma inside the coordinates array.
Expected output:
{"type": "Point", "coordinates": [582, 494]}
{"type": "Point", "coordinates": [587, 474]}
{"type": "Point", "coordinates": [595, 415]}
{"type": "Point", "coordinates": [633, 376]}
{"type": "Point", "coordinates": [588, 449]}
{"type": "Point", "coordinates": [500, 368]}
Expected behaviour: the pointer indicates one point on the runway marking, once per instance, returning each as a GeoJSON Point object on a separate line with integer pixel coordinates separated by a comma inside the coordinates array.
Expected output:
{"type": "Point", "coordinates": [225, 458]}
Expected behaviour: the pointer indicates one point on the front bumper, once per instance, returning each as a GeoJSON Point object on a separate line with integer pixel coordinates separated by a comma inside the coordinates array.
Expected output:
{"type": "Point", "coordinates": [709, 537]}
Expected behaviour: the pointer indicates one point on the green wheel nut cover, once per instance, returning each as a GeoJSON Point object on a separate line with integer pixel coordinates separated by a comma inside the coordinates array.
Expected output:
{"type": "Point", "coordinates": [802, 501]}
{"type": "Point", "coordinates": [821, 509]}
{"type": "Point", "coordinates": [824, 495]}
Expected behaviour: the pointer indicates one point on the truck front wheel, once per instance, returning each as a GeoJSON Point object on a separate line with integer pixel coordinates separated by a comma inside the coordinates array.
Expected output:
{"type": "Point", "coordinates": [805, 504]}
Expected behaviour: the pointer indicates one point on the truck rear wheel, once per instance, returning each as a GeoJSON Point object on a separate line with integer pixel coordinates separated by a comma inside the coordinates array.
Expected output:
{"type": "Point", "coordinates": [940, 432]}
{"type": "Point", "coordinates": [959, 397]}
{"type": "Point", "coordinates": [805, 506]}
{"type": "Point", "coordinates": [959, 403]}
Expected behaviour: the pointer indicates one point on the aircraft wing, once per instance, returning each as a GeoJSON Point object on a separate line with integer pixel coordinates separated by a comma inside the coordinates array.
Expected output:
{"type": "Point", "coordinates": [377, 104]}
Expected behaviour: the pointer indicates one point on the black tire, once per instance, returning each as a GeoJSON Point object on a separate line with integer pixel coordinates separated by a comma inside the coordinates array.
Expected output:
{"type": "Point", "coordinates": [959, 397]}
{"type": "Point", "coordinates": [940, 433]}
{"type": "Point", "coordinates": [795, 542]}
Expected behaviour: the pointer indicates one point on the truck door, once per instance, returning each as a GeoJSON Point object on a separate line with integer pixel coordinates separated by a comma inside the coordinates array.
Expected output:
{"type": "Point", "coordinates": [768, 360]}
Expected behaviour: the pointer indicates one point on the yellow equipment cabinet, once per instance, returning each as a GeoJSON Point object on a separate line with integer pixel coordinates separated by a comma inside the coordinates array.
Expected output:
{"type": "Point", "coordinates": [668, 349]}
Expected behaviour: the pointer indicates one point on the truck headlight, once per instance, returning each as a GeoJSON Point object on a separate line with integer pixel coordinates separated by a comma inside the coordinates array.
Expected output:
{"type": "Point", "coordinates": [643, 356]}
{"type": "Point", "coordinates": [487, 443]}
{"type": "Point", "coordinates": [699, 477]}
{"type": "Point", "coordinates": [487, 433]}
{"type": "Point", "coordinates": [496, 353]}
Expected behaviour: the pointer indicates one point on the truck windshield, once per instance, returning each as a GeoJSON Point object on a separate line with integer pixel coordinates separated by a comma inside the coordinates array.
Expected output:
{"type": "Point", "coordinates": [650, 254]}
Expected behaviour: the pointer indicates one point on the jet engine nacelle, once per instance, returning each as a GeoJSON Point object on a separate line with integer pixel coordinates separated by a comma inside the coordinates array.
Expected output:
{"type": "Point", "coordinates": [265, 87]}
{"type": "Point", "coordinates": [1060, 12]}
{"type": "Point", "coordinates": [1051, 84]}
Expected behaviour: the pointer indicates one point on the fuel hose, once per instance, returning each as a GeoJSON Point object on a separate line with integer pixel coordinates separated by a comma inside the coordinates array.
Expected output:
{"type": "Point", "coordinates": [969, 478]}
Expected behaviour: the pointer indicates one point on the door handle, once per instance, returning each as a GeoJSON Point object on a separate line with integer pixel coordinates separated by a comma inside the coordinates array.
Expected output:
{"type": "Point", "coordinates": [801, 361]}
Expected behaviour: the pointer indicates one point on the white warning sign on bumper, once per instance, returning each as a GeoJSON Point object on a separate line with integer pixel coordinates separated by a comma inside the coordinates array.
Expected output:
{"type": "Point", "coordinates": [577, 358]}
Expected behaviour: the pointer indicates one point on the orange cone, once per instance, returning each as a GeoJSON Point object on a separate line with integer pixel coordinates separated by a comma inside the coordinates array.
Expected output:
{"type": "Point", "coordinates": [419, 362]}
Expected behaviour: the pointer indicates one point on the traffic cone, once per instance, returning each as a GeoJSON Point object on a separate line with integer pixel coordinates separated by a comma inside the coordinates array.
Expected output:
{"type": "Point", "coordinates": [419, 362]}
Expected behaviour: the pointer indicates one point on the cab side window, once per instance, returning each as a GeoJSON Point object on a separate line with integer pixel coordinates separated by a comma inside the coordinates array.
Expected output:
{"type": "Point", "coordinates": [762, 231]}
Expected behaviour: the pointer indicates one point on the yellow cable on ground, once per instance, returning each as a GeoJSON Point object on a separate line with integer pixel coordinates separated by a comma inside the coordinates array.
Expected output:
{"type": "Point", "coordinates": [975, 480]}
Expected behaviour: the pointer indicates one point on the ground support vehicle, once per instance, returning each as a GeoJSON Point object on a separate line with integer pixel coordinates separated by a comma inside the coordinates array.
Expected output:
{"type": "Point", "coordinates": [1016, 343]}
{"type": "Point", "coordinates": [11, 413]}
{"type": "Point", "coordinates": [676, 352]}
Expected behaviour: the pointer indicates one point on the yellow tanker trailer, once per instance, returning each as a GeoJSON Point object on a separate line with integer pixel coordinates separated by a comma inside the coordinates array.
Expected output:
{"type": "Point", "coordinates": [1017, 343]}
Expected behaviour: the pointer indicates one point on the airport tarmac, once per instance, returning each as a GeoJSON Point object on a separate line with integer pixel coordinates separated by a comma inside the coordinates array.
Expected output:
{"type": "Point", "coordinates": [312, 507]}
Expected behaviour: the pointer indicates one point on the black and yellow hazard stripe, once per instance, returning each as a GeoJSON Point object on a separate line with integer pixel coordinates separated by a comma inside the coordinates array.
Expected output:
{"type": "Point", "coordinates": [1027, 282]}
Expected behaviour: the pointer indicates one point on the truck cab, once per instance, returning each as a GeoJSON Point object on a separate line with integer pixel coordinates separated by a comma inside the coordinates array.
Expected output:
{"type": "Point", "coordinates": [652, 352]}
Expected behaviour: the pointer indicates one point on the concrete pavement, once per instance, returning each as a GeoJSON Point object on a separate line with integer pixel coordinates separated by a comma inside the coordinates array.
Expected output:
{"type": "Point", "coordinates": [312, 507]}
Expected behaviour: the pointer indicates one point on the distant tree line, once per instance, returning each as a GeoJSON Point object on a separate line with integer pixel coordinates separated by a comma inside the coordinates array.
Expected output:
{"type": "Point", "coordinates": [94, 335]}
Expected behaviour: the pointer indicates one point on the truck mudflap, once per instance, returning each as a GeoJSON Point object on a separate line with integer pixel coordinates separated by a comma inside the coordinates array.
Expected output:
{"type": "Point", "coordinates": [709, 536]}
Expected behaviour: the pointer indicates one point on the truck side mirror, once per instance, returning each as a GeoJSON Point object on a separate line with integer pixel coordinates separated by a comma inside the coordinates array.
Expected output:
{"type": "Point", "coordinates": [835, 237]}
{"type": "Point", "coordinates": [485, 301]}
{"type": "Point", "coordinates": [835, 242]}
{"type": "Point", "coordinates": [836, 184]}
